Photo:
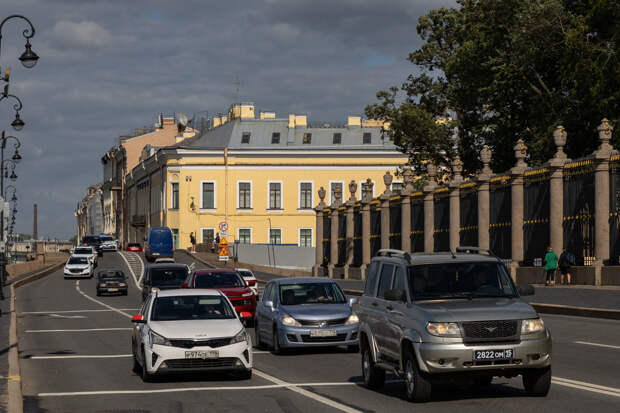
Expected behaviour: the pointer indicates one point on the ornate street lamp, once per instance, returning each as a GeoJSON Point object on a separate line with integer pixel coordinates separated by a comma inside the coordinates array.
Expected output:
{"type": "Point", "coordinates": [28, 58]}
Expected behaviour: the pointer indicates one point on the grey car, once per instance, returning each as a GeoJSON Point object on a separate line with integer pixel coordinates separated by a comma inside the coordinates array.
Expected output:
{"type": "Point", "coordinates": [457, 316]}
{"type": "Point", "coordinates": [305, 312]}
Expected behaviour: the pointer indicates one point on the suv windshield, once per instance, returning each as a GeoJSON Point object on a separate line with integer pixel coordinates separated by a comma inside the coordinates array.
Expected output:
{"type": "Point", "coordinates": [460, 280]}
{"type": "Point", "coordinates": [218, 280]}
{"type": "Point", "coordinates": [78, 260]}
{"type": "Point", "coordinates": [191, 307]}
{"type": "Point", "coordinates": [311, 293]}
{"type": "Point", "coordinates": [166, 277]}
{"type": "Point", "coordinates": [82, 251]}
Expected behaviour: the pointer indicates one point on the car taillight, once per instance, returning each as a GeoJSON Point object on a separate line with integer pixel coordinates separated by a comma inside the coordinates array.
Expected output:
{"type": "Point", "coordinates": [251, 283]}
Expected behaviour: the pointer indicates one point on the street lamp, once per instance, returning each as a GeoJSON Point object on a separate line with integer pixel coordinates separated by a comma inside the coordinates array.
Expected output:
{"type": "Point", "coordinates": [17, 123]}
{"type": "Point", "coordinates": [28, 58]}
{"type": "Point", "coordinates": [6, 190]}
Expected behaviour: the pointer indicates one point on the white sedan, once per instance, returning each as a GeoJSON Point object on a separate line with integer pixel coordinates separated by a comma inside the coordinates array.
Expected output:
{"type": "Point", "coordinates": [250, 280]}
{"type": "Point", "coordinates": [189, 330]}
{"type": "Point", "coordinates": [88, 252]}
{"type": "Point", "coordinates": [78, 267]}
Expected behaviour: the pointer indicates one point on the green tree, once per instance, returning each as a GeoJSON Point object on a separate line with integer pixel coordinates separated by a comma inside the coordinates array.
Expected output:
{"type": "Point", "coordinates": [509, 69]}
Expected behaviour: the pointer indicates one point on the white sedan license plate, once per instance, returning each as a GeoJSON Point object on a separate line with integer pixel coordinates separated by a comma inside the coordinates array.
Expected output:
{"type": "Point", "coordinates": [323, 333]}
{"type": "Point", "coordinates": [209, 354]}
{"type": "Point", "coordinates": [112, 289]}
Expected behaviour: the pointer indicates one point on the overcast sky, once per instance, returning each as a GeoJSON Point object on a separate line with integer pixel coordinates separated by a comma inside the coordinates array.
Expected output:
{"type": "Point", "coordinates": [109, 66]}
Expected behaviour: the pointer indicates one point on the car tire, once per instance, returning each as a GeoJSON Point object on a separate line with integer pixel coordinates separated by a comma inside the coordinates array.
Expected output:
{"type": "Point", "coordinates": [144, 374]}
{"type": "Point", "coordinates": [98, 293]}
{"type": "Point", "coordinates": [259, 343]}
{"type": "Point", "coordinates": [374, 377]}
{"type": "Point", "coordinates": [417, 387]}
{"type": "Point", "coordinates": [136, 365]}
{"type": "Point", "coordinates": [537, 382]}
{"type": "Point", "coordinates": [275, 344]}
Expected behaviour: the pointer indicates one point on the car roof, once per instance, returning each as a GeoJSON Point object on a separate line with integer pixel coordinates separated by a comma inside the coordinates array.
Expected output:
{"type": "Point", "coordinates": [305, 280]}
{"type": "Point", "coordinates": [421, 258]}
{"type": "Point", "coordinates": [167, 265]}
{"type": "Point", "coordinates": [185, 291]}
{"type": "Point", "coordinates": [214, 270]}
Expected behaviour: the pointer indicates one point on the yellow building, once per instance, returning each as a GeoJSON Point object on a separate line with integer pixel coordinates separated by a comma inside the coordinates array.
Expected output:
{"type": "Point", "coordinates": [259, 174]}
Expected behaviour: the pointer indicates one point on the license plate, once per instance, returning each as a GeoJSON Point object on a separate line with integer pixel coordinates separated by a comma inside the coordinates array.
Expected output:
{"type": "Point", "coordinates": [112, 289]}
{"type": "Point", "coordinates": [322, 333]}
{"type": "Point", "coordinates": [208, 354]}
{"type": "Point", "coordinates": [493, 355]}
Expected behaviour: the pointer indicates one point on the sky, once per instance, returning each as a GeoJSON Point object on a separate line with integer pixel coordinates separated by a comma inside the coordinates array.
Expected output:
{"type": "Point", "coordinates": [108, 67]}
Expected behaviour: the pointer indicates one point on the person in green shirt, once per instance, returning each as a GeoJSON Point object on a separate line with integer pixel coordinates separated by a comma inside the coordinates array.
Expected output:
{"type": "Point", "coordinates": [551, 263]}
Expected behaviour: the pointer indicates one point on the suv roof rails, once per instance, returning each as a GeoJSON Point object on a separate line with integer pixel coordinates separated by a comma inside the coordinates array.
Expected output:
{"type": "Point", "coordinates": [388, 252]}
{"type": "Point", "coordinates": [477, 250]}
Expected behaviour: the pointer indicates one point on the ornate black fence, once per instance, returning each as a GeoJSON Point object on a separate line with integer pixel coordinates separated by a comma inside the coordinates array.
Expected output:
{"type": "Point", "coordinates": [442, 220]}
{"type": "Point", "coordinates": [417, 222]}
{"type": "Point", "coordinates": [342, 236]}
{"type": "Point", "coordinates": [468, 231]}
{"type": "Point", "coordinates": [375, 228]}
{"type": "Point", "coordinates": [578, 217]}
{"type": "Point", "coordinates": [500, 220]}
{"type": "Point", "coordinates": [327, 222]}
{"type": "Point", "coordinates": [357, 236]}
{"type": "Point", "coordinates": [535, 215]}
{"type": "Point", "coordinates": [614, 207]}
{"type": "Point", "coordinates": [395, 221]}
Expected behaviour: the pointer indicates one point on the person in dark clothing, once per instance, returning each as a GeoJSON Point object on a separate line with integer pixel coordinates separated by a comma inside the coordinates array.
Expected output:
{"type": "Point", "coordinates": [564, 263]}
{"type": "Point", "coordinates": [192, 239]}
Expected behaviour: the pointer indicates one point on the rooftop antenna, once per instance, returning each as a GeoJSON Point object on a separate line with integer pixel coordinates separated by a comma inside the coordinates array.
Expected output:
{"type": "Point", "coordinates": [238, 85]}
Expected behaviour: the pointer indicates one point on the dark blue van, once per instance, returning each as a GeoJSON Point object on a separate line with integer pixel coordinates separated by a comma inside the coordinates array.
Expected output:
{"type": "Point", "coordinates": [158, 243]}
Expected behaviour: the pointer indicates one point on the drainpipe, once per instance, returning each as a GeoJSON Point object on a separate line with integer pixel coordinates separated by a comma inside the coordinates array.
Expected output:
{"type": "Point", "coordinates": [226, 185]}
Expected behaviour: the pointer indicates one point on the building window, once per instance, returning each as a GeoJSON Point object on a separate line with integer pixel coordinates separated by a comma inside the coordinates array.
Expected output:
{"type": "Point", "coordinates": [305, 195]}
{"type": "Point", "coordinates": [245, 137]}
{"type": "Point", "coordinates": [397, 186]}
{"type": "Point", "coordinates": [275, 137]}
{"type": "Point", "coordinates": [337, 138]}
{"type": "Point", "coordinates": [208, 195]}
{"type": "Point", "coordinates": [275, 236]}
{"type": "Point", "coordinates": [305, 237]}
{"type": "Point", "coordinates": [366, 138]}
{"type": "Point", "coordinates": [174, 198]}
{"type": "Point", "coordinates": [245, 195]}
{"type": "Point", "coordinates": [275, 195]}
{"type": "Point", "coordinates": [307, 139]}
{"type": "Point", "coordinates": [208, 235]}
{"type": "Point", "coordinates": [245, 235]}
{"type": "Point", "coordinates": [175, 237]}
{"type": "Point", "coordinates": [367, 188]}
{"type": "Point", "coordinates": [335, 186]}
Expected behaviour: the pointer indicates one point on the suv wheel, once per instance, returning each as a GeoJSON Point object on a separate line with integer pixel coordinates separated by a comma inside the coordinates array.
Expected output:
{"type": "Point", "coordinates": [374, 377]}
{"type": "Point", "coordinates": [417, 387]}
{"type": "Point", "coordinates": [275, 345]}
{"type": "Point", "coordinates": [537, 382]}
{"type": "Point", "coordinates": [144, 373]}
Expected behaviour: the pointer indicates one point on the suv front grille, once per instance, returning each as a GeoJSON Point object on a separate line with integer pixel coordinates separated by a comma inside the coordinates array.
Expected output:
{"type": "Point", "coordinates": [213, 343]}
{"type": "Point", "coordinates": [501, 330]}
{"type": "Point", "coordinates": [317, 323]}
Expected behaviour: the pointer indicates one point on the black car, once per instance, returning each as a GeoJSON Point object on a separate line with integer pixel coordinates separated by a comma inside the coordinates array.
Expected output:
{"type": "Point", "coordinates": [163, 276]}
{"type": "Point", "coordinates": [93, 241]}
{"type": "Point", "coordinates": [111, 281]}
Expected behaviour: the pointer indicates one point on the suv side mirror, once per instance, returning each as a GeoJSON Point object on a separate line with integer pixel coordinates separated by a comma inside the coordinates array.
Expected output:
{"type": "Point", "coordinates": [395, 295]}
{"type": "Point", "coordinates": [526, 289]}
{"type": "Point", "coordinates": [353, 301]}
{"type": "Point", "coordinates": [268, 304]}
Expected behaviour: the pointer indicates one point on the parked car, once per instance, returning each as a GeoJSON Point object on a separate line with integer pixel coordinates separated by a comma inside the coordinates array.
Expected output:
{"type": "Point", "coordinates": [305, 312]}
{"type": "Point", "coordinates": [134, 247]}
{"type": "Point", "coordinates": [230, 283]}
{"type": "Point", "coordinates": [430, 317]}
{"type": "Point", "coordinates": [111, 281]}
{"type": "Point", "coordinates": [188, 331]}
{"type": "Point", "coordinates": [88, 252]}
{"type": "Point", "coordinates": [92, 241]}
{"type": "Point", "coordinates": [164, 261]}
{"type": "Point", "coordinates": [163, 276]}
{"type": "Point", "coordinates": [159, 243]}
{"type": "Point", "coordinates": [108, 243]}
{"type": "Point", "coordinates": [78, 267]}
{"type": "Point", "coordinates": [250, 279]}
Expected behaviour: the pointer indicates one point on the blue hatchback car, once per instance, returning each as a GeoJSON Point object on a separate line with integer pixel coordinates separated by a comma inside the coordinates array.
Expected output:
{"type": "Point", "coordinates": [159, 243]}
{"type": "Point", "coordinates": [305, 312]}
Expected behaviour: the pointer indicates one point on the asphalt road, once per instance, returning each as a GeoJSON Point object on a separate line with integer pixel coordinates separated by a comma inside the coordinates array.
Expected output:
{"type": "Point", "coordinates": [75, 357]}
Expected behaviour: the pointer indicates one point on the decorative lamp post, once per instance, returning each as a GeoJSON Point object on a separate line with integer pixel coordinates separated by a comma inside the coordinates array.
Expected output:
{"type": "Point", "coordinates": [28, 58]}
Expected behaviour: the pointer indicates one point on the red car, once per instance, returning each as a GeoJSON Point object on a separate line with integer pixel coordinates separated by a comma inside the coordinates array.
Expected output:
{"type": "Point", "coordinates": [134, 248]}
{"type": "Point", "coordinates": [231, 283]}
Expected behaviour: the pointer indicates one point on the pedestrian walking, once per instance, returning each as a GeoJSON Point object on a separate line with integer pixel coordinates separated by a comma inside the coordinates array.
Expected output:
{"type": "Point", "coordinates": [564, 263]}
{"type": "Point", "coordinates": [551, 264]}
{"type": "Point", "coordinates": [192, 239]}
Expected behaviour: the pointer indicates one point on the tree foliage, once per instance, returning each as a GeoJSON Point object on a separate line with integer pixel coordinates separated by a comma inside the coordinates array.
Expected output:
{"type": "Point", "coordinates": [508, 69]}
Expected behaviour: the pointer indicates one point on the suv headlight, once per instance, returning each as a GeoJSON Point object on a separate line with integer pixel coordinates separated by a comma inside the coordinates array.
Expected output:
{"type": "Point", "coordinates": [444, 329]}
{"type": "Point", "coordinates": [533, 325]}
{"type": "Point", "coordinates": [240, 337]}
{"type": "Point", "coordinates": [353, 319]}
{"type": "Point", "coordinates": [158, 339]}
{"type": "Point", "coordinates": [287, 320]}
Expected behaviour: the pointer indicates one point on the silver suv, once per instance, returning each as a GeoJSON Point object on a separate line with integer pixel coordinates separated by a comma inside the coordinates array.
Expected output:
{"type": "Point", "coordinates": [457, 316]}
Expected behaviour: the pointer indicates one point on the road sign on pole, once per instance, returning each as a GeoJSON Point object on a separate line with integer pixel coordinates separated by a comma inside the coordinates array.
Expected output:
{"type": "Point", "coordinates": [223, 226]}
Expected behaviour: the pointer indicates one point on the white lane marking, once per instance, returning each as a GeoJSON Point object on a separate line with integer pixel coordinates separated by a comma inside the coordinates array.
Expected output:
{"type": "Point", "coordinates": [595, 388]}
{"type": "Point", "coordinates": [77, 287]}
{"type": "Point", "coordinates": [77, 330]}
{"type": "Point", "coordinates": [66, 316]}
{"type": "Point", "coordinates": [307, 393]}
{"type": "Point", "coordinates": [92, 356]}
{"type": "Point", "coordinates": [141, 265]}
{"type": "Point", "coordinates": [133, 274]}
{"type": "Point", "coordinates": [73, 311]}
{"type": "Point", "coordinates": [597, 344]}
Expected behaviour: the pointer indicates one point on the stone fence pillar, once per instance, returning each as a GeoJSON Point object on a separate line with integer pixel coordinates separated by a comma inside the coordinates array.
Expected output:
{"type": "Point", "coordinates": [484, 202]}
{"type": "Point", "coordinates": [317, 270]}
{"type": "Point", "coordinates": [385, 211]}
{"type": "Point", "coordinates": [429, 208]}
{"type": "Point", "coordinates": [333, 240]}
{"type": "Point", "coordinates": [405, 211]}
{"type": "Point", "coordinates": [366, 198]}
{"type": "Point", "coordinates": [517, 206]}
{"type": "Point", "coordinates": [350, 243]}
{"type": "Point", "coordinates": [455, 203]}
{"type": "Point", "coordinates": [556, 191]}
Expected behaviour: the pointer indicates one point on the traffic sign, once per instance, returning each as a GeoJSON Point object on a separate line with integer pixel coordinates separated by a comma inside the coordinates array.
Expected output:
{"type": "Point", "coordinates": [223, 226]}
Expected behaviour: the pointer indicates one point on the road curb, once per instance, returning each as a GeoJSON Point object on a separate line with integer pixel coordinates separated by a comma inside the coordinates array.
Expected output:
{"type": "Point", "coordinates": [14, 387]}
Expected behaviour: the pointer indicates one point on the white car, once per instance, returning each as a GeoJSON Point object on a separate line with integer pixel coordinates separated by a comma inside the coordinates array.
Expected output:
{"type": "Point", "coordinates": [250, 279]}
{"type": "Point", "coordinates": [108, 243]}
{"type": "Point", "coordinates": [189, 330]}
{"type": "Point", "coordinates": [164, 261]}
{"type": "Point", "coordinates": [78, 266]}
{"type": "Point", "coordinates": [88, 252]}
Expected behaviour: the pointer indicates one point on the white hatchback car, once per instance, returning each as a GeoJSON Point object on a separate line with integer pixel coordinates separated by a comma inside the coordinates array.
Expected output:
{"type": "Point", "coordinates": [189, 330]}
{"type": "Point", "coordinates": [79, 266]}
{"type": "Point", "coordinates": [88, 252]}
{"type": "Point", "coordinates": [250, 279]}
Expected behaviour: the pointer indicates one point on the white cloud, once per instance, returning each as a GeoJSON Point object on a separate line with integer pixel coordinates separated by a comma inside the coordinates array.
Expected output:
{"type": "Point", "coordinates": [87, 34]}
